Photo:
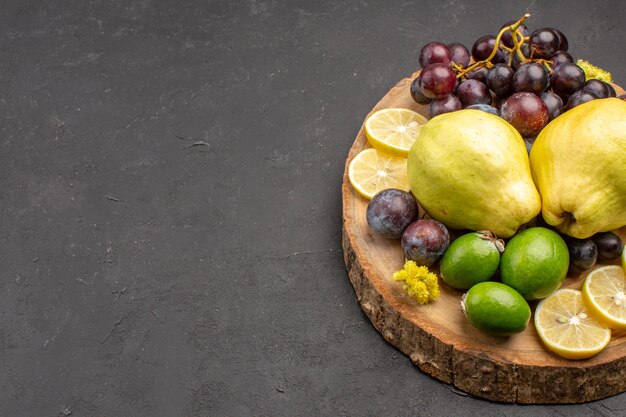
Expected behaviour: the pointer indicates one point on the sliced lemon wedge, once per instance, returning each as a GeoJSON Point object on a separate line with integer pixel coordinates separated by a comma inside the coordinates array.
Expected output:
{"type": "Point", "coordinates": [372, 171]}
{"type": "Point", "coordinates": [394, 130]}
{"type": "Point", "coordinates": [604, 293]}
{"type": "Point", "coordinates": [567, 328]}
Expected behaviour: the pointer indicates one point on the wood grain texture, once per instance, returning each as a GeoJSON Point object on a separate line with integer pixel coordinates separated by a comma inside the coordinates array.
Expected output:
{"type": "Point", "coordinates": [438, 338]}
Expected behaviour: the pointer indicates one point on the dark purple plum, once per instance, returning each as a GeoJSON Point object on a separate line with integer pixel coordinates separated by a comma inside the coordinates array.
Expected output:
{"type": "Point", "coordinates": [425, 241]}
{"type": "Point", "coordinates": [435, 53]}
{"type": "Point", "coordinates": [526, 112]}
{"type": "Point", "coordinates": [610, 246]}
{"type": "Point", "coordinates": [445, 105]}
{"type": "Point", "coordinates": [390, 212]}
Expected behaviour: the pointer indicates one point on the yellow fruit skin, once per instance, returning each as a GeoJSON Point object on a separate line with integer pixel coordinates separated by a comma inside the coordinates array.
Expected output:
{"type": "Point", "coordinates": [469, 169]}
{"type": "Point", "coordinates": [579, 165]}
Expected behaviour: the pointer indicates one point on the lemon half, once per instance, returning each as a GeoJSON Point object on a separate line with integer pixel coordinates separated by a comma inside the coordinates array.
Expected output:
{"type": "Point", "coordinates": [604, 293]}
{"type": "Point", "coordinates": [566, 327]}
{"type": "Point", "coordinates": [372, 171]}
{"type": "Point", "coordinates": [394, 130]}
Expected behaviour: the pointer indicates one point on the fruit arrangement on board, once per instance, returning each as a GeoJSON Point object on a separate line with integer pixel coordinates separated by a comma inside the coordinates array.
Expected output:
{"type": "Point", "coordinates": [521, 174]}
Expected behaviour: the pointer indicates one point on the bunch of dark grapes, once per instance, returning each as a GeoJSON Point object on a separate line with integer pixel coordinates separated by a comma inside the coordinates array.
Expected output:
{"type": "Point", "coordinates": [528, 79]}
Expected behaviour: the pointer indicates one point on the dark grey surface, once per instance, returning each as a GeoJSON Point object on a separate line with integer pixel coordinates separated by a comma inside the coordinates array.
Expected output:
{"type": "Point", "coordinates": [170, 201]}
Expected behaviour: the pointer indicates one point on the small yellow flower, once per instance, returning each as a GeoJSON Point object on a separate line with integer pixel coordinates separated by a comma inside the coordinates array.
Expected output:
{"type": "Point", "coordinates": [418, 282]}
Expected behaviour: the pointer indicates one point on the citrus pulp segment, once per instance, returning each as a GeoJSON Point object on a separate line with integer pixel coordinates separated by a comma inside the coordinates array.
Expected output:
{"type": "Point", "coordinates": [565, 326]}
{"type": "Point", "coordinates": [394, 130]}
{"type": "Point", "coordinates": [372, 171]}
{"type": "Point", "coordinates": [604, 293]}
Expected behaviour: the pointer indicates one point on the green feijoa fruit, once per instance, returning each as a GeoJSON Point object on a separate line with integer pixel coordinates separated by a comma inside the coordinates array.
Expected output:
{"type": "Point", "coordinates": [535, 262]}
{"type": "Point", "coordinates": [470, 259]}
{"type": "Point", "coordinates": [496, 308]}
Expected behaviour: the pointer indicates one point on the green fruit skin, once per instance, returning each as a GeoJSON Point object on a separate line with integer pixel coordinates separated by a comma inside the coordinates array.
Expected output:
{"type": "Point", "coordinates": [535, 262]}
{"type": "Point", "coordinates": [469, 260]}
{"type": "Point", "coordinates": [470, 170]}
{"type": "Point", "coordinates": [496, 308]}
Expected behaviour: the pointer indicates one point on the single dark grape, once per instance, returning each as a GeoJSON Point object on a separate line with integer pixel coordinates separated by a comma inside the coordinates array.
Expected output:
{"type": "Point", "coordinates": [390, 212]}
{"type": "Point", "coordinates": [437, 81]}
{"type": "Point", "coordinates": [416, 92]}
{"type": "Point", "coordinates": [579, 97]}
{"type": "Point", "coordinates": [597, 88]}
{"type": "Point", "coordinates": [609, 245]}
{"type": "Point", "coordinates": [567, 78]}
{"type": "Point", "coordinates": [583, 253]}
{"type": "Point", "coordinates": [484, 107]}
{"type": "Point", "coordinates": [460, 54]}
{"type": "Point", "coordinates": [483, 47]}
{"type": "Point", "coordinates": [562, 57]}
{"type": "Point", "coordinates": [473, 92]}
{"type": "Point", "coordinates": [478, 74]}
{"type": "Point", "coordinates": [531, 77]}
{"type": "Point", "coordinates": [563, 43]}
{"type": "Point", "coordinates": [553, 103]}
{"type": "Point", "coordinates": [612, 92]}
{"type": "Point", "coordinates": [500, 80]}
{"type": "Point", "coordinates": [544, 43]}
{"type": "Point", "coordinates": [526, 112]}
{"type": "Point", "coordinates": [445, 105]}
{"type": "Point", "coordinates": [425, 241]}
{"type": "Point", "coordinates": [507, 37]}
{"type": "Point", "coordinates": [435, 53]}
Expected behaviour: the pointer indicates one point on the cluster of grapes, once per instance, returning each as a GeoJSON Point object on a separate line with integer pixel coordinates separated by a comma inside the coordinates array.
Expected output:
{"type": "Point", "coordinates": [527, 80]}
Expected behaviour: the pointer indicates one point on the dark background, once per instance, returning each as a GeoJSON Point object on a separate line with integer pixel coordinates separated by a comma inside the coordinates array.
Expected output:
{"type": "Point", "coordinates": [170, 202]}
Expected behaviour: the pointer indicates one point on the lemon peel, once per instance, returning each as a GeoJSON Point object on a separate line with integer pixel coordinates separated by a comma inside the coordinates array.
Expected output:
{"type": "Point", "coordinates": [418, 282]}
{"type": "Point", "coordinates": [591, 71]}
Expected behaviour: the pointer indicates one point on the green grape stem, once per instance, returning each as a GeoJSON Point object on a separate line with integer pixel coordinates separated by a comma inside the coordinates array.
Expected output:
{"type": "Point", "coordinates": [516, 48]}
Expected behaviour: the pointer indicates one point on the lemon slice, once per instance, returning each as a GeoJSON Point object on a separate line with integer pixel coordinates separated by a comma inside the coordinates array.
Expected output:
{"type": "Point", "coordinates": [566, 327]}
{"type": "Point", "coordinates": [372, 171]}
{"type": "Point", "coordinates": [604, 293]}
{"type": "Point", "coordinates": [394, 130]}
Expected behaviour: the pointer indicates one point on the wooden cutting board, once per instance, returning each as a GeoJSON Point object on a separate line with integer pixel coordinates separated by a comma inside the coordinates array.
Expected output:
{"type": "Point", "coordinates": [438, 338]}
